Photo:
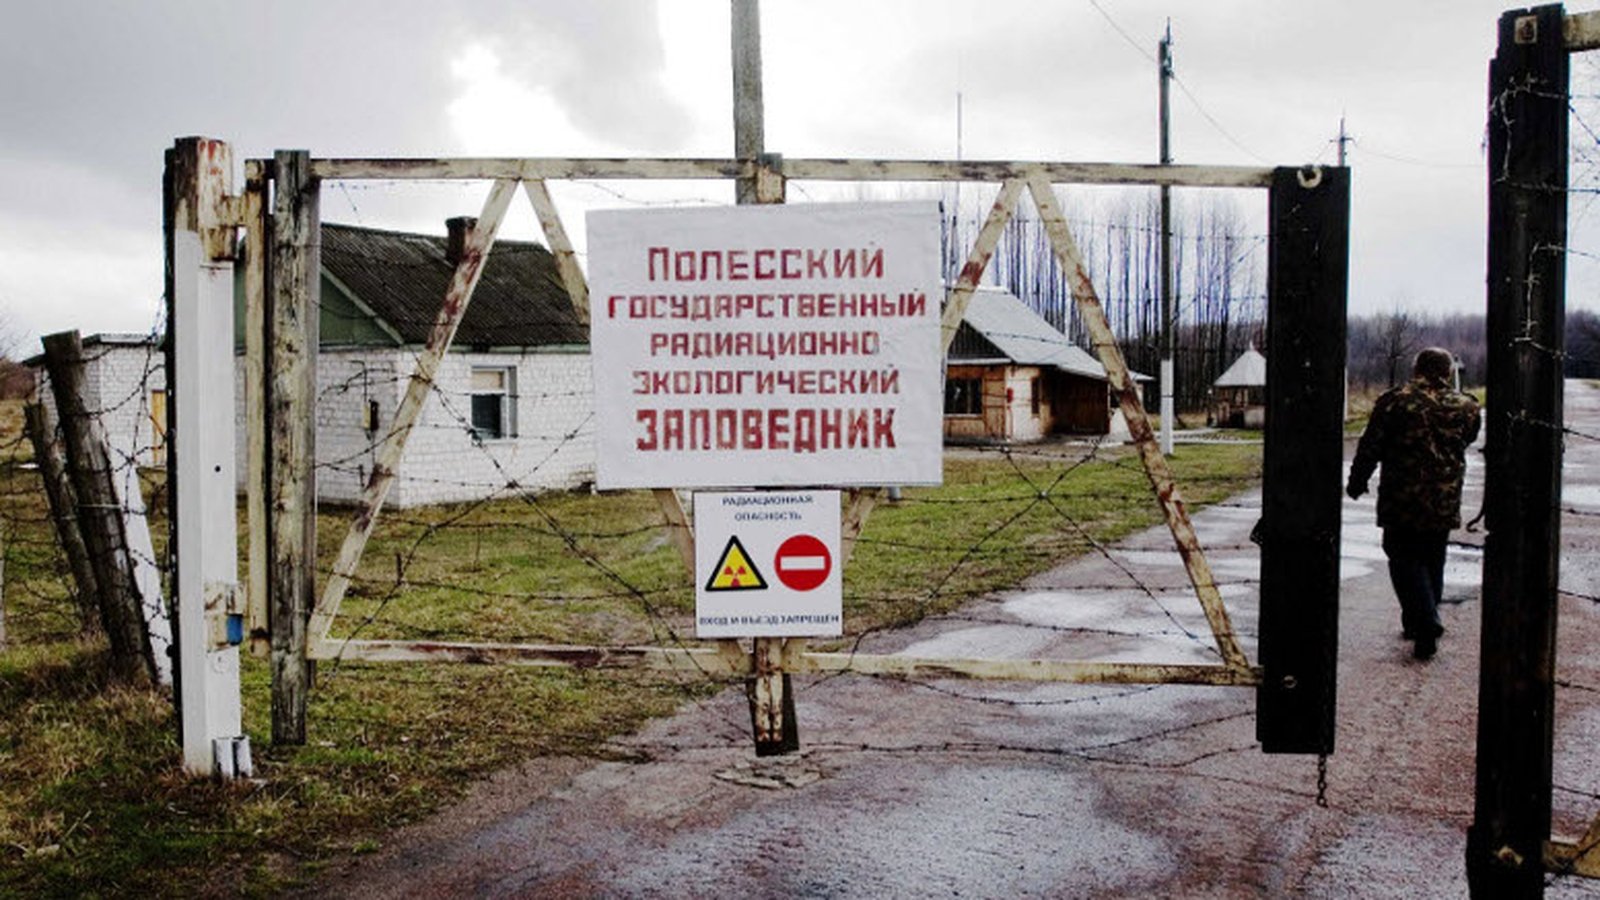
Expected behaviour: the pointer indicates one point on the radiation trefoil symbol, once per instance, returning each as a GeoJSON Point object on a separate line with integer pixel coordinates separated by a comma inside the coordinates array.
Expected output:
{"type": "Point", "coordinates": [735, 571]}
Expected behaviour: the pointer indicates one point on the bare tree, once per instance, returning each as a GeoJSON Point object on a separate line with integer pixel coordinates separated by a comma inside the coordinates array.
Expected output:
{"type": "Point", "coordinates": [16, 380]}
{"type": "Point", "coordinates": [1217, 284]}
{"type": "Point", "coordinates": [1397, 343]}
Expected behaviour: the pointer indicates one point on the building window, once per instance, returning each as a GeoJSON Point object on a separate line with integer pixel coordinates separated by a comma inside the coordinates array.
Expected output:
{"type": "Point", "coordinates": [963, 397]}
{"type": "Point", "coordinates": [493, 413]}
{"type": "Point", "coordinates": [1035, 396]}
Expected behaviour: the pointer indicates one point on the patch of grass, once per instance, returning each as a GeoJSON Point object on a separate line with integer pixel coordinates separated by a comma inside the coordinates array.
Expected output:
{"type": "Point", "coordinates": [998, 520]}
{"type": "Point", "coordinates": [92, 800]}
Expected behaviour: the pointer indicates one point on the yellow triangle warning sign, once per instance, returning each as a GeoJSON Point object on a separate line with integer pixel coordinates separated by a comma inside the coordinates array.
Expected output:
{"type": "Point", "coordinates": [735, 571]}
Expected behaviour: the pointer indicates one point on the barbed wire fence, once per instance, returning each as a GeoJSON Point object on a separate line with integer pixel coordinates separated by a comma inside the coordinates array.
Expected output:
{"type": "Point", "coordinates": [523, 554]}
{"type": "Point", "coordinates": [1024, 509]}
{"type": "Point", "coordinates": [48, 601]}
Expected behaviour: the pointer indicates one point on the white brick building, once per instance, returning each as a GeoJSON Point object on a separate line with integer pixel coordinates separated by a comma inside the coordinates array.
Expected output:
{"type": "Point", "coordinates": [124, 381]}
{"type": "Point", "coordinates": [542, 401]}
{"type": "Point", "coordinates": [511, 408]}
{"type": "Point", "coordinates": [511, 403]}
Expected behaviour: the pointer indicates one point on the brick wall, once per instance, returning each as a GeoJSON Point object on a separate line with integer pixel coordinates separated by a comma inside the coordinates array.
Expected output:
{"type": "Point", "coordinates": [554, 444]}
{"type": "Point", "coordinates": [553, 448]}
{"type": "Point", "coordinates": [117, 383]}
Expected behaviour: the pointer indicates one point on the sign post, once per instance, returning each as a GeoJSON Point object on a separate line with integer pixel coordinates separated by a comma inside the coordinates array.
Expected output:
{"type": "Point", "coordinates": [767, 346]}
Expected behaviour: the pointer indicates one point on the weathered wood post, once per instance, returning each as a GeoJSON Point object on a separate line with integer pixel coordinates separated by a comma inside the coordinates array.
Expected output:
{"type": "Point", "coordinates": [4, 545]}
{"type": "Point", "coordinates": [1308, 212]}
{"type": "Point", "coordinates": [64, 512]}
{"type": "Point", "coordinates": [771, 693]}
{"type": "Point", "coordinates": [99, 514]}
{"type": "Point", "coordinates": [201, 225]}
{"type": "Point", "coordinates": [291, 373]}
{"type": "Point", "coordinates": [1528, 107]}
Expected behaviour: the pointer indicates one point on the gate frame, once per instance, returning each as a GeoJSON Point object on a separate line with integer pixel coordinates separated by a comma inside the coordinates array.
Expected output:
{"type": "Point", "coordinates": [280, 288]}
{"type": "Point", "coordinates": [1308, 242]}
{"type": "Point", "coordinates": [1509, 843]}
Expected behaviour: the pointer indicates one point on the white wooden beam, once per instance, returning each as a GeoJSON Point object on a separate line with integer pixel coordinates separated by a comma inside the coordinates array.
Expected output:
{"type": "Point", "coordinates": [1581, 31]}
{"type": "Point", "coordinates": [801, 169]}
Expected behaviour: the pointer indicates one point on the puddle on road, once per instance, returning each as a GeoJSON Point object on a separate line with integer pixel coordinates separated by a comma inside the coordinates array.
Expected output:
{"type": "Point", "coordinates": [1584, 496]}
{"type": "Point", "coordinates": [985, 642]}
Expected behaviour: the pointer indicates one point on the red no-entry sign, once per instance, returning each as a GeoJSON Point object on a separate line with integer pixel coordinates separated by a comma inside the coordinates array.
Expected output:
{"type": "Point", "coordinates": [802, 562]}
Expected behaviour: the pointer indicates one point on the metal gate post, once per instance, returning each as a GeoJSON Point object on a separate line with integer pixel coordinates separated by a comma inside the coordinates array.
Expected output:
{"type": "Point", "coordinates": [1528, 107]}
{"type": "Point", "coordinates": [1307, 277]}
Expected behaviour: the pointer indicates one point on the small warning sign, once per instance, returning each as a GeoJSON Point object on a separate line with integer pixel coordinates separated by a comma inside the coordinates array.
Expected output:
{"type": "Point", "coordinates": [735, 571]}
{"type": "Point", "coordinates": [803, 562]}
{"type": "Point", "coordinates": [766, 564]}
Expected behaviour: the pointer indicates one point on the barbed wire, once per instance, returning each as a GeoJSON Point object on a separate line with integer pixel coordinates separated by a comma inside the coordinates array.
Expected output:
{"type": "Point", "coordinates": [523, 496]}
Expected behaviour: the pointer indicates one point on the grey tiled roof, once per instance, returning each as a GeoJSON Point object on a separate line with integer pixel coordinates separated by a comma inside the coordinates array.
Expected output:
{"type": "Point", "coordinates": [1017, 332]}
{"type": "Point", "coordinates": [1249, 370]}
{"type": "Point", "coordinates": [402, 277]}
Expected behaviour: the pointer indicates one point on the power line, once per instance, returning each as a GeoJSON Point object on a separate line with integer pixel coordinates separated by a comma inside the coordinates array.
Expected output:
{"type": "Point", "coordinates": [1138, 48]}
{"type": "Point", "coordinates": [1200, 108]}
{"type": "Point", "coordinates": [1182, 86]}
{"type": "Point", "coordinates": [1410, 160]}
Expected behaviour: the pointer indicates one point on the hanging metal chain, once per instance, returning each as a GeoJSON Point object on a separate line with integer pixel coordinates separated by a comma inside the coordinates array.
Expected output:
{"type": "Point", "coordinates": [1322, 780]}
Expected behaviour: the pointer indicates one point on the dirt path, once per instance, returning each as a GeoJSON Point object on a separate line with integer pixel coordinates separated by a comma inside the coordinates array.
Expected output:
{"type": "Point", "coordinates": [956, 788]}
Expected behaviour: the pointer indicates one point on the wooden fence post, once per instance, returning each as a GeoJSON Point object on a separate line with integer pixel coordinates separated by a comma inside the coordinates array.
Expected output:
{"type": "Point", "coordinates": [770, 691]}
{"type": "Point", "coordinates": [1528, 86]}
{"type": "Point", "coordinates": [200, 462]}
{"type": "Point", "coordinates": [291, 428]}
{"type": "Point", "coordinates": [99, 513]}
{"type": "Point", "coordinates": [64, 511]}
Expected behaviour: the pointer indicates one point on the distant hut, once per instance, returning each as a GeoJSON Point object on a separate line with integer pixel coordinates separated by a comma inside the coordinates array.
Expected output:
{"type": "Point", "coordinates": [1239, 395]}
{"type": "Point", "coordinates": [1010, 376]}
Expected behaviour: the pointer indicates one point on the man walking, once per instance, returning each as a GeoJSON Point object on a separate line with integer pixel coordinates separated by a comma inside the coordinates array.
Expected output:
{"type": "Point", "coordinates": [1419, 433]}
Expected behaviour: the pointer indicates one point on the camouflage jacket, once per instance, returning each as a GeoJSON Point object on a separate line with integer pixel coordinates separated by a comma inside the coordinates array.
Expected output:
{"type": "Point", "coordinates": [1419, 432]}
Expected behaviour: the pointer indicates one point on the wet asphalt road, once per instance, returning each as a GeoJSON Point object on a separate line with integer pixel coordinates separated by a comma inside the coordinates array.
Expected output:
{"type": "Point", "coordinates": [957, 788]}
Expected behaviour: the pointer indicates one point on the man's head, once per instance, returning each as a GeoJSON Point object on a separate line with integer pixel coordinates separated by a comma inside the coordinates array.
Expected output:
{"type": "Point", "coordinates": [1434, 364]}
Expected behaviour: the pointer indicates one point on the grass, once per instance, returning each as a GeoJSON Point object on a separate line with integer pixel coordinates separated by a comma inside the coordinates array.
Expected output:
{"type": "Point", "coordinates": [92, 800]}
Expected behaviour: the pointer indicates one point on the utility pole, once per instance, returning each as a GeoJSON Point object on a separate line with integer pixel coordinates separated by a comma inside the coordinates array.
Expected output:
{"type": "Point", "coordinates": [955, 215]}
{"type": "Point", "coordinates": [1168, 342]}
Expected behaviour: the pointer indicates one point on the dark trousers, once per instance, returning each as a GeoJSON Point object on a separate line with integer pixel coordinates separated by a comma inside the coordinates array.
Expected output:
{"type": "Point", "coordinates": [1416, 569]}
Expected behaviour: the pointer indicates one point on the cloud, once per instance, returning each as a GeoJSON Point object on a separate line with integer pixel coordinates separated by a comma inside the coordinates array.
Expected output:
{"type": "Point", "coordinates": [600, 64]}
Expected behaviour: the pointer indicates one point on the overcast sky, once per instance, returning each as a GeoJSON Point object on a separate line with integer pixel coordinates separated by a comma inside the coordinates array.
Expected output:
{"type": "Point", "coordinates": [91, 93]}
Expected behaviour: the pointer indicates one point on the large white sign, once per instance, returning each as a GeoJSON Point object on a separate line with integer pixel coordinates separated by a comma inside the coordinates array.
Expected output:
{"type": "Point", "coordinates": [767, 564]}
{"type": "Point", "coordinates": [767, 345]}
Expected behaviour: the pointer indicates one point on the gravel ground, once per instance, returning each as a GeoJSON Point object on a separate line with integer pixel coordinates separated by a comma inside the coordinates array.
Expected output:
{"type": "Point", "coordinates": [956, 788]}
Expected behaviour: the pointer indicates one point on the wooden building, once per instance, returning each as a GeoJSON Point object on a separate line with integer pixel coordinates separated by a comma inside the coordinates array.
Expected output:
{"type": "Point", "coordinates": [1010, 376]}
{"type": "Point", "coordinates": [1239, 395]}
